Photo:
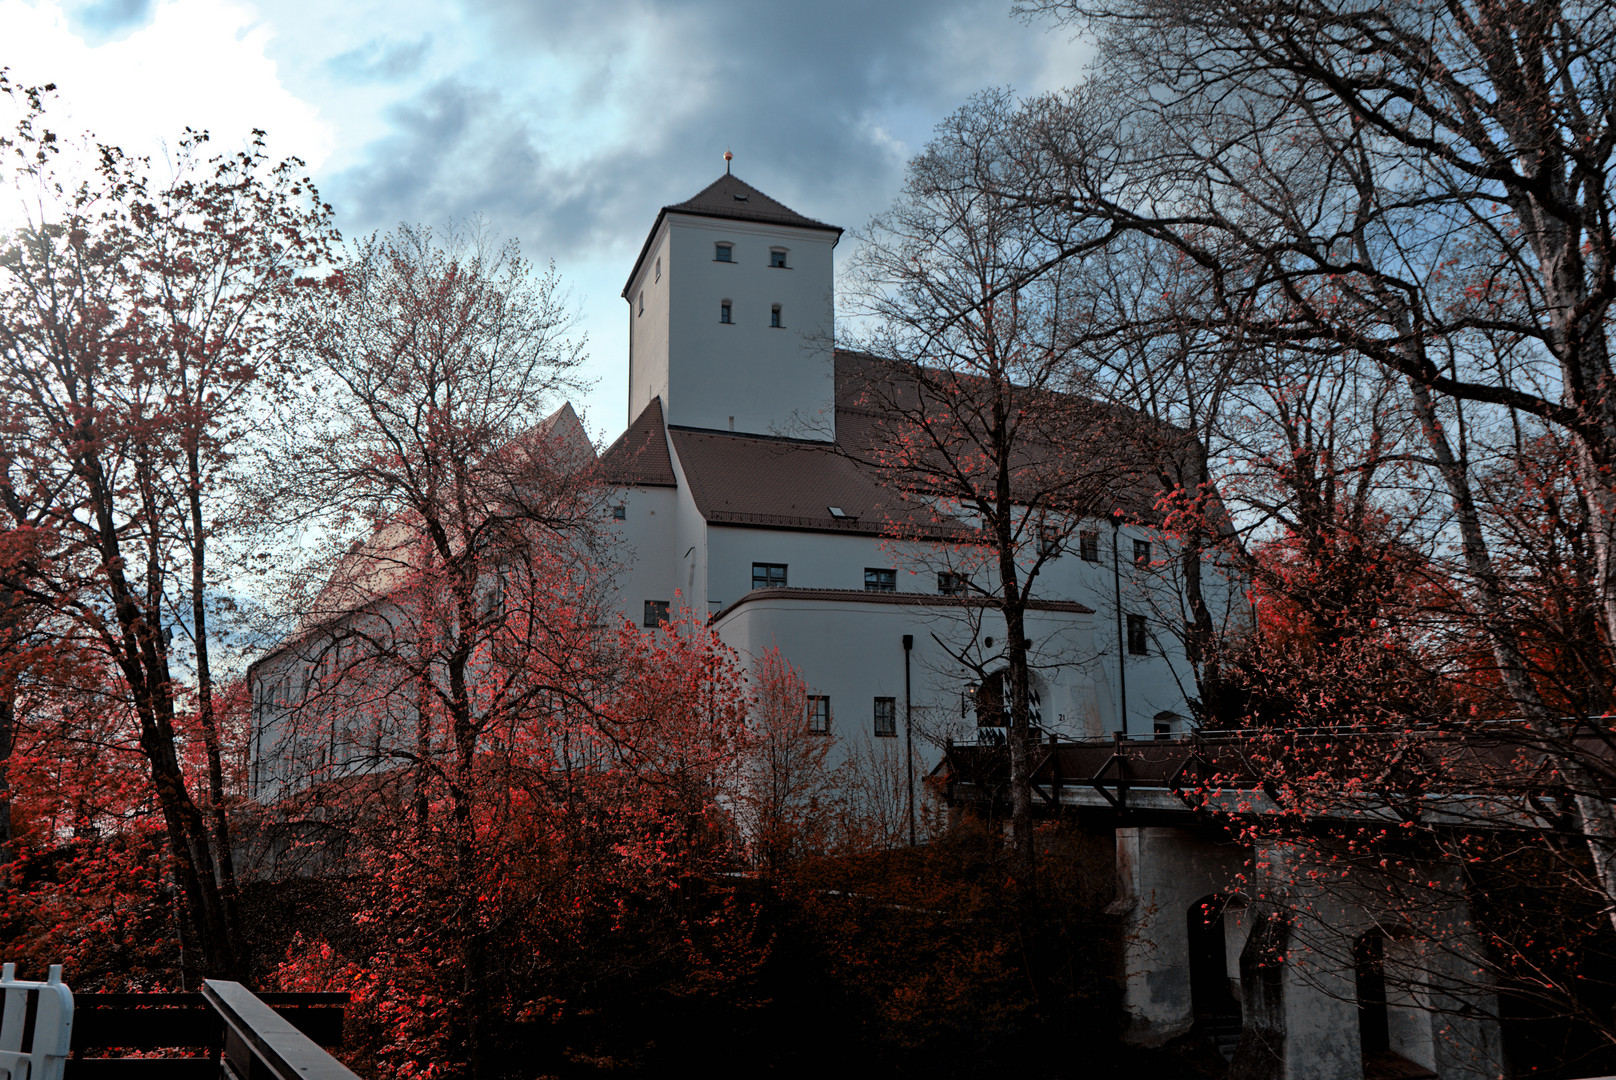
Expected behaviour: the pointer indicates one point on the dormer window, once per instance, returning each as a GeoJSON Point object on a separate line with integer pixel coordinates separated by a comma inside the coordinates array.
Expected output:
{"type": "Point", "coordinates": [774, 315]}
{"type": "Point", "coordinates": [723, 252]}
{"type": "Point", "coordinates": [777, 258]}
{"type": "Point", "coordinates": [723, 312]}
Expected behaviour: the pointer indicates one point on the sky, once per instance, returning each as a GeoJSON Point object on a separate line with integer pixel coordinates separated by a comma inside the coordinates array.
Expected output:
{"type": "Point", "coordinates": [563, 124]}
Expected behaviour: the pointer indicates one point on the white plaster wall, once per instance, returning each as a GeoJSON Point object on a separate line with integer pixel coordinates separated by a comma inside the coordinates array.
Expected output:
{"type": "Point", "coordinates": [773, 381]}
{"type": "Point", "coordinates": [1160, 873]}
{"type": "Point", "coordinates": [646, 562]}
{"type": "Point", "coordinates": [648, 330]}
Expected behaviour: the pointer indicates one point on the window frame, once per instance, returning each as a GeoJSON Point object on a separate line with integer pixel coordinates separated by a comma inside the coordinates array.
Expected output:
{"type": "Point", "coordinates": [1088, 545]}
{"type": "Point", "coordinates": [726, 313]}
{"type": "Point", "coordinates": [780, 254]}
{"type": "Point", "coordinates": [768, 568]}
{"type": "Point", "coordinates": [952, 583]}
{"type": "Point", "coordinates": [819, 714]}
{"type": "Point", "coordinates": [885, 579]}
{"type": "Point", "coordinates": [723, 251]}
{"type": "Point", "coordinates": [1138, 635]}
{"type": "Point", "coordinates": [657, 613]}
{"type": "Point", "coordinates": [1141, 553]}
{"type": "Point", "coordinates": [775, 321]}
{"type": "Point", "coordinates": [620, 512]}
{"type": "Point", "coordinates": [890, 730]}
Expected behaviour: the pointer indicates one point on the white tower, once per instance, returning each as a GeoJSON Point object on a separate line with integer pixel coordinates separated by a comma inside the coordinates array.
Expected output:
{"type": "Point", "coordinates": [731, 316]}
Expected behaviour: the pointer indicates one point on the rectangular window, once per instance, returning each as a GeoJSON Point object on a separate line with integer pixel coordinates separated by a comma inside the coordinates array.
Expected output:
{"type": "Point", "coordinates": [656, 612]}
{"type": "Point", "coordinates": [620, 512]}
{"type": "Point", "coordinates": [774, 315]}
{"type": "Point", "coordinates": [876, 580]}
{"type": "Point", "coordinates": [818, 714]}
{"type": "Point", "coordinates": [951, 584]}
{"type": "Point", "coordinates": [1049, 540]}
{"type": "Point", "coordinates": [721, 252]}
{"type": "Point", "coordinates": [1088, 545]}
{"type": "Point", "coordinates": [1141, 553]}
{"type": "Point", "coordinates": [768, 575]}
{"type": "Point", "coordinates": [723, 312]}
{"type": "Point", "coordinates": [1164, 730]}
{"type": "Point", "coordinates": [1138, 636]}
{"type": "Point", "coordinates": [886, 717]}
{"type": "Point", "coordinates": [777, 257]}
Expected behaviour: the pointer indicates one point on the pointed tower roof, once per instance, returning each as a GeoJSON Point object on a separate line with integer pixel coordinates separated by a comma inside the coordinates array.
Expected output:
{"type": "Point", "coordinates": [729, 197]}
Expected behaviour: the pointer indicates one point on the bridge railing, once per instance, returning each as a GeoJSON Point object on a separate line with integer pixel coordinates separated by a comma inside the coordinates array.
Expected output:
{"type": "Point", "coordinates": [231, 1032]}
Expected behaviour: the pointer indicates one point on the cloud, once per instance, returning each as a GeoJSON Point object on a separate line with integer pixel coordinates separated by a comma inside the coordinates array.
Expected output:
{"type": "Point", "coordinates": [571, 127]}
{"type": "Point", "coordinates": [100, 21]}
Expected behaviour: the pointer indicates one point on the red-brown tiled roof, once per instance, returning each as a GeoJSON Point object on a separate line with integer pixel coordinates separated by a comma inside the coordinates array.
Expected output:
{"type": "Point", "coordinates": [860, 596]}
{"type": "Point", "coordinates": [787, 483]}
{"type": "Point", "coordinates": [639, 457]}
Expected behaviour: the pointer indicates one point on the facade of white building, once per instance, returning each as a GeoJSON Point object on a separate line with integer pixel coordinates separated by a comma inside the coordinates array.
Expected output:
{"type": "Point", "coordinates": [742, 500]}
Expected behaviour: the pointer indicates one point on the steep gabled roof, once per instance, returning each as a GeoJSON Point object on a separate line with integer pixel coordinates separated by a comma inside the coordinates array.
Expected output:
{"type": "Point", "coordinates": [639, 457]}
{"type": "Point", "coordinates": [732, 198]}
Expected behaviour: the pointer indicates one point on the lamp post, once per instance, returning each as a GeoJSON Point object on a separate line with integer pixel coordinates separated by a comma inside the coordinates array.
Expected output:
{"type": "Point", "coordinates": [1122, 653]}
{"type": "Point", "coordinates": [909, 733]}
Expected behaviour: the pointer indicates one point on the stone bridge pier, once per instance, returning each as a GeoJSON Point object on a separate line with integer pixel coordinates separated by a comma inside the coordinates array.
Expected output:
{"type": "Point", "coordinates": [1296, 975]}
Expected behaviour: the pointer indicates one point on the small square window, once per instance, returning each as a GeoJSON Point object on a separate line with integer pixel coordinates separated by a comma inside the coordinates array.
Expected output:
{"type": "Point", "coordinates": [1141, 553]}
{"type": "Point", "coordinates": [774, 315]}
{"type": "Point", "coordinates": [1138, 636]}
{"type": "Point", "coordinates": [886, 717]}
{"type": "Point", "coordinates": [656, 612]}
{"type": "Point", "coordinates": [877, 580]}
{"type": "Point", "coordinates": [1049, 540]}
{"type": "Point", "coordinates": [777, 257]}
{"type": "Point", "coordinates": [951, 584]}
{"type": "Point", "coordinates": [818, 714]}
{"type": "Point", "coordinates": [768, 575]}
{"type": "Point", "coordinates": [723, 252]}
{"type": "Point", "coordinates": [723, 312]}
{"type": "Point", "coordinates": [620, 512]}
{"type": "Point", "coordinates": [1088, 545]}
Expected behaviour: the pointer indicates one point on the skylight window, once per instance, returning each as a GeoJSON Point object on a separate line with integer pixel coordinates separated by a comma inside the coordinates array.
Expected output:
{"type": "Point", "coordinates": [837, 512]}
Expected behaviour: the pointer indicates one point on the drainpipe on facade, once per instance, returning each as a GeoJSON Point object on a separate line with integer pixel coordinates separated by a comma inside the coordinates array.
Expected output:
{"type": "Point", "coordinates": [909, 733]}
{"type": "Point", "coordinates": [1122, 652]}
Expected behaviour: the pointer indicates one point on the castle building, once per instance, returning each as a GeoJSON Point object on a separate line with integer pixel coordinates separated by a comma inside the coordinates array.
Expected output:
{"type": "Point", "coordinates": [747, 495]}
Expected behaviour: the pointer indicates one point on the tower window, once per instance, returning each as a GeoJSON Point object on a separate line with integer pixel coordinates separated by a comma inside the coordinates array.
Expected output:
{"type": "Point", "coordinates": [1141, 553]}
{"type": "Point", "coordinates": [723, 252]}
{"type": "Point", "coordinates": [774, 315]}
{"type": "Point", "coordinates": [777, 257]}
{"type": "Point", "coordinates": [1088, 545]}
{"type": "Point", "coordinates": [723, 312]}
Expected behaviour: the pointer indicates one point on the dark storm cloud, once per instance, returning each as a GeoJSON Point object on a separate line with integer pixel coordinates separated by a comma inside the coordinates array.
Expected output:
{"type": "Point", "coordinates": [101, 21]}
{"type": "Point", "coordinates": [809, 97]}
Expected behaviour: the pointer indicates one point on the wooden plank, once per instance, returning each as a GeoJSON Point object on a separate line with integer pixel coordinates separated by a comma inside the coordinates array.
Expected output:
{"type": "Point", "coordinates": [261, 1043]}
{"type": "Point", "coordinates": [141, 1069]}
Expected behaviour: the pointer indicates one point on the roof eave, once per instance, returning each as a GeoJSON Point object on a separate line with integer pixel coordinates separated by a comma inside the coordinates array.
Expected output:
{"type": "Point", "coordinates": [645, 248]}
